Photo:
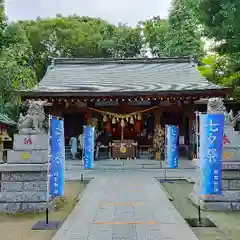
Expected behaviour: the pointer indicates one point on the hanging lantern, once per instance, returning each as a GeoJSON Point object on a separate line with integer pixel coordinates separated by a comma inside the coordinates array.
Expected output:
{"type": "Point", "coordinates": [126, 118]}
{"type": "Point", "coordinates": [131, 120]}
{"type": "Point", "coordinates": [117, 119]}
{"type": "Point", "coordinates": [122, 123]}
{"type": "Point", "coordinates": [105, 118]}
{"type": "Point", "coordinates": [139, 116]}
{"type": "Point", "coordinates": [113, 120]}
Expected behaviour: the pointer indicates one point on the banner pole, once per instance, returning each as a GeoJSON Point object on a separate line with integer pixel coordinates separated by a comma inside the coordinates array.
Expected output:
{"type": "Point", "coordinates": [198, 160]}
{"type": "Point", "coordinates": [48, 168]}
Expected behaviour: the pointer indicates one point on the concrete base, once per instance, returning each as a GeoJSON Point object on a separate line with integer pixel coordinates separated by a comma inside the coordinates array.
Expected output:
{"type": "Point", "coordinates": [51, 225]}
{"type": "Point", "coordinates": [24, 178]}
{"type": "Point", "coordinates": [23, 157]}
{"type": "Point", "coordinates": [220, 205]}
{"type": "Point", "coordinates": [230, 198]}
{"type": "Point", "coordinates": [29, 142]}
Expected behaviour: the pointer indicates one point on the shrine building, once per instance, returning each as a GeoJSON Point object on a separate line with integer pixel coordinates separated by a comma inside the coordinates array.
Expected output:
{"type": "Point", "coordinates": [129, 99]}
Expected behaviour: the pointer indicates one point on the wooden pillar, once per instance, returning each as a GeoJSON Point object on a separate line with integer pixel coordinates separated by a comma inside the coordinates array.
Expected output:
{"type": "Point", "coordinates": [157, 115]}
{"type": "Point", "coordinates": [191, 118]}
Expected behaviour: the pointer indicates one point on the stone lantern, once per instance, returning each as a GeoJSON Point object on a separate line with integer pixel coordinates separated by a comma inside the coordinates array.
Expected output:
{"type": "Point", "coordinates": [5, 122]}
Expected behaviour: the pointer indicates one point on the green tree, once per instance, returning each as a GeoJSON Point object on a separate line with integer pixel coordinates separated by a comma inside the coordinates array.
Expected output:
{"type": "Point", "coordinates": [2, 22]}
{"type": "Point", "coordinates": [184, 35]}
{"type": "Point", "coordinates": [220, 20]}
{"type": "Point", "coordinates": [220, 70]}
{"type": "Point", "coordinates": [155, 33]}
{"type": "Point", "coordinates": [15, 71]}
{"type": "Point", "coordinates": [180, 35]}
{"type": "Point", "coordinates": [126, 42]}
{"type": "Point", "coordinates": [76, 36]}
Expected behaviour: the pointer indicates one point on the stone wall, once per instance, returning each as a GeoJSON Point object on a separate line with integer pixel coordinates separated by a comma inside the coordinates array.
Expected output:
{"type": "Point", "coordinates": [24, 178]}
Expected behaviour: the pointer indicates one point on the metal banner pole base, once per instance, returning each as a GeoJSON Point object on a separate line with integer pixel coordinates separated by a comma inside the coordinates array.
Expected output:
{"type": "Point", "coordinates": [46, 224]}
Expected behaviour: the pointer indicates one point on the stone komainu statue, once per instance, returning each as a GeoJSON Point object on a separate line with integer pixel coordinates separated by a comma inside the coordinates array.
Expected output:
{"type": "Point", "coordinates": [216, 105]}
{"type": "Point", "coordinates": [33, 120]}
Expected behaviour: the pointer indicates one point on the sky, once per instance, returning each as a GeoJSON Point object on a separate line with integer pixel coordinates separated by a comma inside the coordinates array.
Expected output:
{"type": "Point", "coordinates": [114, 11]}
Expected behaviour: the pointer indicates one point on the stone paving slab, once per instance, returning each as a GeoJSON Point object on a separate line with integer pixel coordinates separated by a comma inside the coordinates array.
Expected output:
{"type": "Point", "coordinates": [126, 206]}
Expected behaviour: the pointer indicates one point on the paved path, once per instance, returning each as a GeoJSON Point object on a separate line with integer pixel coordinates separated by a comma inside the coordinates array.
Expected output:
{"type": "Point", "coordinates": [127, 206]}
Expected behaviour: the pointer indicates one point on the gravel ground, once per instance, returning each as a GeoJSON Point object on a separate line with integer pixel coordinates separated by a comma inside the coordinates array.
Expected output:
{"type": "Point", "coordinates": [228, 223]}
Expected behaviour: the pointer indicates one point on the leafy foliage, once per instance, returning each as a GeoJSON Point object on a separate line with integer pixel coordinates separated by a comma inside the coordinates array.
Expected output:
{"type": "Point", "coordinates": [15, 72]}
{"type": "Point", "coordinates": [156, 35]}
{"type": "Point", "coordinates": [2, 21]}
{"type": "Point", "coordinates": [26, 47]}
{"type": "Point", "coordinates": [81, 37]}
{"type": "Point", "coordinates": [184, 33]}
{"type": "Point", "coordinates": [180, 35]}
{"type": "Point", "coordinates": [220, 21]}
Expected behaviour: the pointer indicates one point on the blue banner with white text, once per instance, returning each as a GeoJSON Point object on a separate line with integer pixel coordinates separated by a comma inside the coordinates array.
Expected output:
{"type": "Point", "coordinates": [172, 146]}
{"type": "Point", "coordinates": [210, 153]}
{"type": "Point", "coordinates": [88, 143]}
{"type": "Point", "coordinates": [57, 157]}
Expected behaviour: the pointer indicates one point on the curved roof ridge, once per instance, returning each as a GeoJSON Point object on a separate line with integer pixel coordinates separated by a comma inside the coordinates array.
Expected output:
{"type": "Point", "coordinates": [69, 61]}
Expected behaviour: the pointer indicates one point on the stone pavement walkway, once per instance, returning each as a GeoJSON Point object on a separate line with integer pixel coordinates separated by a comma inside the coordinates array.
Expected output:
{"type": "Point", "coordinates": [124, 206]}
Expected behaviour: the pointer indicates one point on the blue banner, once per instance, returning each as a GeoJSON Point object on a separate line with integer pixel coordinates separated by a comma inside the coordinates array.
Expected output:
{"type": "Point", "coordinates": [56, 157]}
{"type": "Point", "coordinates": [172, 146]}
{"type": "Point", "coordinates": [210, 153]}
{"type": "Point", "coordinates": [88, 146]}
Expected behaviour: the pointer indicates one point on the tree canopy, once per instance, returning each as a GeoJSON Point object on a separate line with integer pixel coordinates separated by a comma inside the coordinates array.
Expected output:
{"type": "Point", "coordinates": [76, 36]}
{"type": "Point", "coordinates": [179, 35]}
{"type": "Point", "coordinates": [220, 21]}
{"type": "Point", "coordinates": [26, 47]}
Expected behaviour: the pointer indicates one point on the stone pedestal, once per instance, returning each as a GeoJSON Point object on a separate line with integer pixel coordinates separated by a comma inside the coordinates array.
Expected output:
{"type": "Point", "coordinates": [24, 178]}
{"type": "Point", "coordinates": [230, 198]}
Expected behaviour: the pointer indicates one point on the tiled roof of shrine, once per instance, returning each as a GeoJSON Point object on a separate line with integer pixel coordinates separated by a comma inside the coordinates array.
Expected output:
{"type": "Point", "coordinates": [121, 76]}
{"type": "Point", "coordinates": [6, 120]}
